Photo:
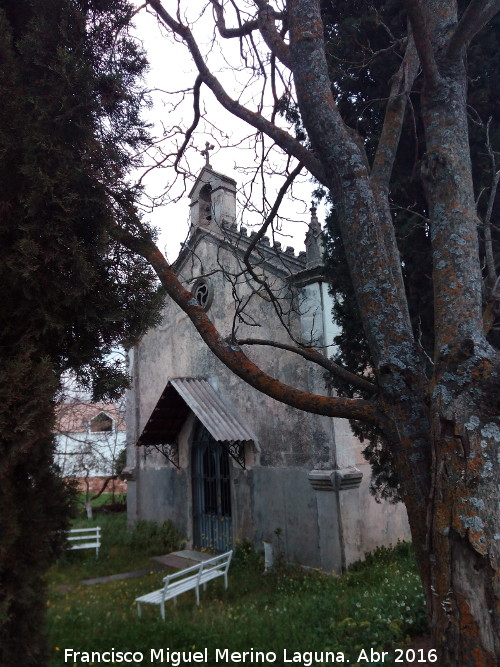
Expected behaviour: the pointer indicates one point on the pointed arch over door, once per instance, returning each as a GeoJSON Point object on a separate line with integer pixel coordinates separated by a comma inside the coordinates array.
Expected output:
{"type": "Point", "coordinates": [211, 483]}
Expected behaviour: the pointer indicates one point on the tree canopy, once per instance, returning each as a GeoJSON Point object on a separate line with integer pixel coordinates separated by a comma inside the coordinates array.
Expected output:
{"type": "Point", "coordinates": [70, 129]}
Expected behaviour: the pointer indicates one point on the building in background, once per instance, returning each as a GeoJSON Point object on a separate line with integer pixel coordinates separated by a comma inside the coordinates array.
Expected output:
{"type": "Point", "coordinates": [90, 438]}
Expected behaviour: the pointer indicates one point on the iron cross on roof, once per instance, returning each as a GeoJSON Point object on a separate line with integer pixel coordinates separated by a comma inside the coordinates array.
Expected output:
{"type": "Point", "coordinates": [208, 147]}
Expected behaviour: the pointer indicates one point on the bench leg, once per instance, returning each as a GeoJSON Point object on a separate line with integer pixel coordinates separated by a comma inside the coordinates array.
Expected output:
{"type": "Point", "coordinates": [197, 589]}
{"type": "Point", "coordinates": [162, 610]}
{"type": "Point", "coordinates": [139, 609]}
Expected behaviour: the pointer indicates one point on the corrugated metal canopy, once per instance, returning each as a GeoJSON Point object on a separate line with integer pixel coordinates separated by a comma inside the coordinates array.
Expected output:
{"type": "Point", "coordinates": [182, 395]}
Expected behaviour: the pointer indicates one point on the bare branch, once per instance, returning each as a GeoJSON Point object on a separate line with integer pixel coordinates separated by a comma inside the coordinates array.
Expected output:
{"type": "Point", "coordinates": [387, 147]}
{"type": "Point", "coordinates": [272, 64]}
{"type": "Point", "coordinates": [104, 486]}
{"type": "Point", "coordinates": [492, 310]}
{"type": "Point", "coordinates": [474, 18]}
{"type": "Point", "coordinates": [411, 211]}
{"type": "Point", "coordinates": [418, 20]}
{"type": "Point", "coordinates": [488, 241]}
{"type": "Point", "coordinates": [138, 9]}
{"type": "Point", "coordinates": [260, 234]}
{"type": "Point", "coordinates": [228, 33]}
{"type": "Point", "coordinates": [487, 226]}
{"type": "Point", "coordinates": [196, 119]}
{"type": "Point", "coordinates": [232, 356]}
{"type": "Point", "coordinates": [282, 138]}
{"type": "Point", "coordinates": [270, 34]}
{"type": "Point", "coordinates": [272, 213]}
{"type": "Point", "coordinates": [313, 355]}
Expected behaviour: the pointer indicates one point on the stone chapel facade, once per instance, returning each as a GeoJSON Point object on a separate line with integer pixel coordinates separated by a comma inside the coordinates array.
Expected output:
{"type": "Point", "coordinates": [221, 460]}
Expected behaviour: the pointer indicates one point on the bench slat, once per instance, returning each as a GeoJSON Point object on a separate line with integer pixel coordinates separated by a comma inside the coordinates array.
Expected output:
{"type": "Point", "coordinates": [84, 538]}
{"type": "Point", "coordinates": [95, 529]}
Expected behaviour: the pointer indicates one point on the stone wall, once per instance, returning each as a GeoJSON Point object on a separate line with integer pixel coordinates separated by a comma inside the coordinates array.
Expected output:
{"type": "Point", "coordinates": [95, 485]}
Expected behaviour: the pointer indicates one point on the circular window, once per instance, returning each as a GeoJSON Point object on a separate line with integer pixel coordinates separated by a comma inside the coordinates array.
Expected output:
{"type": "Point", "coordinates": [203, 293]}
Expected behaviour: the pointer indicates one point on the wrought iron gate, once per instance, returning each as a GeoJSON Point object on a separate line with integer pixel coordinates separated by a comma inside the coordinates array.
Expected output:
{"type": "Point", "coordinates": [212, 520]}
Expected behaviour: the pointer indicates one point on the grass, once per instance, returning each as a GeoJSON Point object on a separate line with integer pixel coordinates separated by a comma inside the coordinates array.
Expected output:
{"type": "Point", "coordinates": [99, 503]}
{"type": "Point", "coordinates": [378, 603]}
{"type": "Point", "coordinates": [122, 550]}
{"type": "Point", "coordinates": [104, 499]}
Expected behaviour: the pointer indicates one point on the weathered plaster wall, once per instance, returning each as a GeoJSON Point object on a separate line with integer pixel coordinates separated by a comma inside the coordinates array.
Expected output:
{"type": "Point", "coordinates": [319, 528]}
{"type": "Point", "coordinates": [265, 502]}
{"type": "Point", "coordinates": [174, 349]}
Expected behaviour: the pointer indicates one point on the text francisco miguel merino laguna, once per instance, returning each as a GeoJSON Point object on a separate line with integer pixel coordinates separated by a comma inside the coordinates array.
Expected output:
{"type": "Point", "coordinates": [223, 656]}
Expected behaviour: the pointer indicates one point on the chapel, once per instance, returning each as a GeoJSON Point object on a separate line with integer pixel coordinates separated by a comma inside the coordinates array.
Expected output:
{"type": "Point", "coordinates": [218, 458]}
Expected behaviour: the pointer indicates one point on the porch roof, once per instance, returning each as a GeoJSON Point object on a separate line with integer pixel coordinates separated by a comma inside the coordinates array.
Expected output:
{"type": "Point", "coordinates": [182, 395]}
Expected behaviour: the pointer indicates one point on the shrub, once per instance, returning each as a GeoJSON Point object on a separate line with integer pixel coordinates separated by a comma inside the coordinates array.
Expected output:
{"type": "Point", "coordinates": [154, 538]}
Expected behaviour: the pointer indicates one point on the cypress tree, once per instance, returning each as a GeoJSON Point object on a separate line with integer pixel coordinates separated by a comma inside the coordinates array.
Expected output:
{"type": "Point", "coordinates": [69, 127]}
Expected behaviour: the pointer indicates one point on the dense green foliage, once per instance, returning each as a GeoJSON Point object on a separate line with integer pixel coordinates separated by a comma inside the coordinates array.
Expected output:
{"type": "Point", "coordinates": [365, 43]}
{"type": "Point", "coordinates": [69, 125]}
{"type": "Point", "coordinates": [378, 603]}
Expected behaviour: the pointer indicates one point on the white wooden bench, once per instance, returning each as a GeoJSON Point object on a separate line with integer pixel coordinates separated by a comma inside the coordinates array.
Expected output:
{"type": "Point", "coordinates": [191, 578]}
{"type": "Point", "coordinates": [85, 538]}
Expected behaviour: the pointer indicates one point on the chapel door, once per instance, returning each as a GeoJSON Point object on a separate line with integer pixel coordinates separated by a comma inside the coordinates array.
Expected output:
{"type": "Point", "coordinates": [212, 522]}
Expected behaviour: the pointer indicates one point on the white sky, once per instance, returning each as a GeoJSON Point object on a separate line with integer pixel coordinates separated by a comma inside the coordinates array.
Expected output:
{"type": "Point", "coordinates": [171, 69]}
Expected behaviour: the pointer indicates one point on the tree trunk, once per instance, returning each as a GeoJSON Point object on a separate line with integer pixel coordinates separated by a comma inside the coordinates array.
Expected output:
{"type": "Point", "coordinates": [33, 512]}
{"type": "Point", "coordinates": [457, 546]}
{"type": "Point", "coordinates": [463, 527]}
{"type": "Point", "coordinates": [455, 524]}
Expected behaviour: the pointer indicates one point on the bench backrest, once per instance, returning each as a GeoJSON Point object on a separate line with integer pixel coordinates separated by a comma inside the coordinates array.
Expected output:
{"type": "Point", "coordinates": [220, 563]}
{"type": "Point", "coordinates": [78, 534]}
{"type": "Point", "coordinates": [176, 576]}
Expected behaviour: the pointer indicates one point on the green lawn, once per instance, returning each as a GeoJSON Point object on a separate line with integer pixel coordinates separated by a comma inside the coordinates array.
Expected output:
{"type": "Point", "coordinates": [378, 603]}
